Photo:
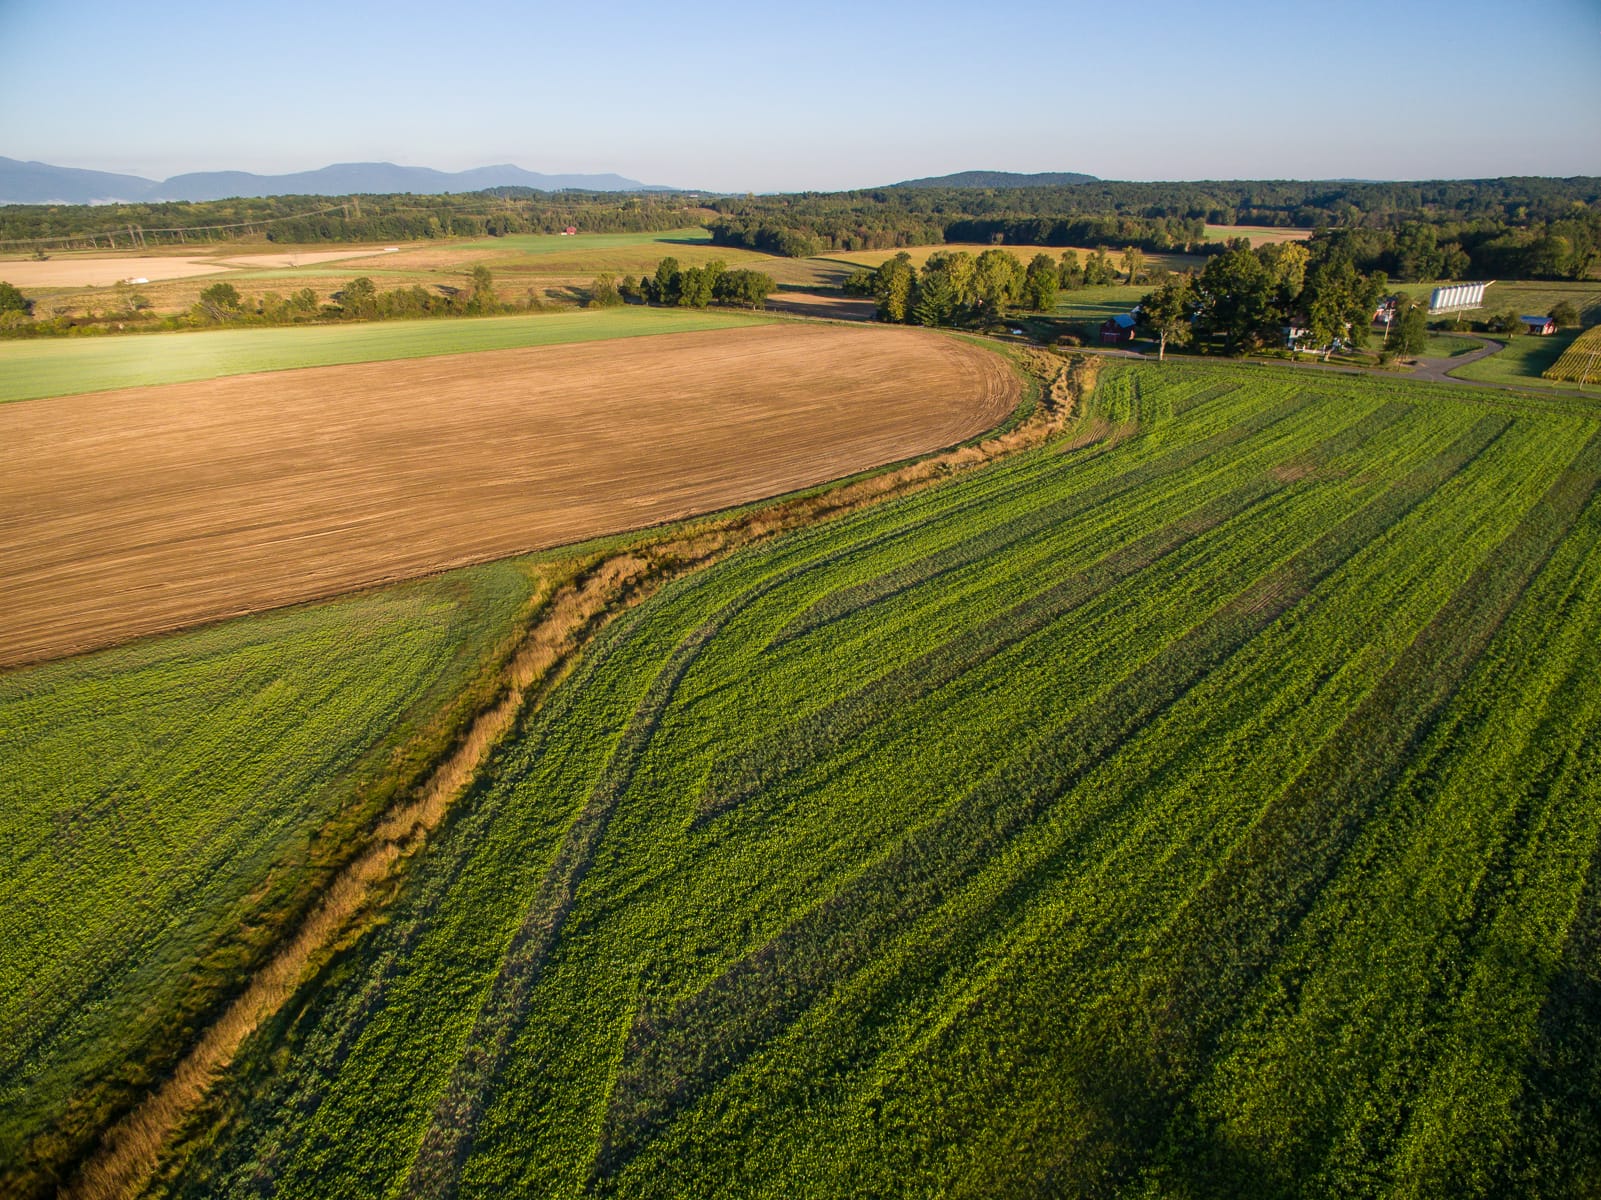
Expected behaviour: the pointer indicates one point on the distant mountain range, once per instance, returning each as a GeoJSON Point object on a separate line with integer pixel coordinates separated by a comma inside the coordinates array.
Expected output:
{"type": "Point", "coordinates": [998, 179]}
{"type": "Point", "coordinates": [41, 183]}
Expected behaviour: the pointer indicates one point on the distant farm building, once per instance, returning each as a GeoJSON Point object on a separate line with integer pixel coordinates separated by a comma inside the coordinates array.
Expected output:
{"type": "Point", "coordinates": [1293, 335]}
{"type": "Point", "coordinates": [1457, 297]}
{"type": "Point", "coordinates": [569, 231]}
{"type": "Point", "coordinates": [1539, 325]}
{"type": "Point", "coordinates": [1118, 329]}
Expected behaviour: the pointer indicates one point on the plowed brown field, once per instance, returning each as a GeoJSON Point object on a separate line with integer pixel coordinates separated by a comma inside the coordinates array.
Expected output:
{"type": "Point", "coordinates": [125, 513]}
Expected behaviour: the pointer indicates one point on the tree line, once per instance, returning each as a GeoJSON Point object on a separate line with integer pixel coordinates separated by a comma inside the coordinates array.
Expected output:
{"type": "Point", "coordinates": [1523, 227]}
{"type": "Point", "coordinates": [295, 220]}
{"type": "Point", "coordinates": [676, 286]}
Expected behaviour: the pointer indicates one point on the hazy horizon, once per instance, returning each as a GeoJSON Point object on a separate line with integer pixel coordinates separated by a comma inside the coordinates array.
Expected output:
{"type": "Point", "coordinates": [824, 96]}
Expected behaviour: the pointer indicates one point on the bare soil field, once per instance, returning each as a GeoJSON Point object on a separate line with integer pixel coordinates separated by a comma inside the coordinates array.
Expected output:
{"type": "Point", "coordinates": [105, 270]}
{"type": "Point", "coordinates": [129, 512]}
{"type": "Point", "coordinates": [823, 304]}
{"type": "Point", "coordinates": [305, 258]}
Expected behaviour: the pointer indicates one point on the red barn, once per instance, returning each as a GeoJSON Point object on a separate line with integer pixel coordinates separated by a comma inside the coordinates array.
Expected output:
{"type": "Point", "coordinates": [1118, 329]}
{"type": "Point", "coordinates": [1539, 325]}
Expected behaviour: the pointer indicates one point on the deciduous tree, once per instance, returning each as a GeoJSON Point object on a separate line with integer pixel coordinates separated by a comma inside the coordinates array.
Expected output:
{"type": "Point", "coordinates": [1168, 312]}
{"type": "Point", "coordinates": [1040, 284]}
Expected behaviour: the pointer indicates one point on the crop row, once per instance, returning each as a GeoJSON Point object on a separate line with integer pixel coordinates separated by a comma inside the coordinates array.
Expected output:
{"type": "Point", "coordinates": [1103, 821]}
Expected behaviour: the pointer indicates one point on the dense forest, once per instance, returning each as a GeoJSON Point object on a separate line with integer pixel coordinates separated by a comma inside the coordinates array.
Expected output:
{"type": "Point", "coordinates": [1496, 228]}
{"type": "Point", "coordinates": [1540, 228]}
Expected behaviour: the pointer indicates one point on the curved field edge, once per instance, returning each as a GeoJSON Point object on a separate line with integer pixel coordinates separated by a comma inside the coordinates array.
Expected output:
{"type": "Point", "coordinates": [163, 507]}
{"type": "Point", "coordinates": [1053, 828]}
{"type": "Point", "coordinates": [574, 592]}
{"type": "Point", "coordinates": [40, 369]}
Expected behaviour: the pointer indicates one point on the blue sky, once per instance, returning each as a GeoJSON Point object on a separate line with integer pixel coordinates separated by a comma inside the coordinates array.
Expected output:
{"type": "Point", "coordinates": [813, 93]}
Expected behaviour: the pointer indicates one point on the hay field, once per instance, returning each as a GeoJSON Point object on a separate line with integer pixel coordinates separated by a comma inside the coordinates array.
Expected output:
{"type": "Point", "coordinates": [1260, 235]}
{"type": "Point", "coordinates": [128, 512]}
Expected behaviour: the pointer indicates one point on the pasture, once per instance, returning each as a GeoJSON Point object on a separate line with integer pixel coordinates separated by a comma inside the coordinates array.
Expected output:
{"type": "Point", "coordinates": [129, 512]}
{"type": "Point", "coordinates": [170, 807]}
{"type": "Point", "coordinates": [1257, 235]}
{"type": "Point", "coordinates": [1523, 362]}
{"type": "Point", "coordinates": [62, 367]}
{"type": "Point", "coordinates": [1200, 804]}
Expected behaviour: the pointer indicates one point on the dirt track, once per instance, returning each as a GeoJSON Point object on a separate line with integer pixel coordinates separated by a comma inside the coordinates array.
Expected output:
{"type": "Point", "coordinates": [125, 513]}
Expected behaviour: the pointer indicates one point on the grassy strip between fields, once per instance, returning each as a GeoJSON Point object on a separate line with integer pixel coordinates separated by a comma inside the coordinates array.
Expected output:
{"type": "Point", "coordinates": [36, 369]}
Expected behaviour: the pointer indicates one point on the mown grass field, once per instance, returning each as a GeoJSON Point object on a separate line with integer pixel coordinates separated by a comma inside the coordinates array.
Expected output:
{"type": "Point", "coordinates": [30, 370]}
{"type": "Point", "coordinates": [1523, 361]}
{"type": "Point", "coordinates": [1443, 345]}
{"type": "Point", "coordinates": [170, 804]}
{"type": "Point", "coordinates": [1204, 811]}
{"type": "Point", "coordinates": [1258, 234]}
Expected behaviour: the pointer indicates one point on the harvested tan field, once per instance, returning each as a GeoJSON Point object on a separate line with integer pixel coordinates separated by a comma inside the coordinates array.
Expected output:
{"type": "Point", "coordinates": [823, 304]}
{"type": "Point", "coordinates": [108, 270]}
{"type": "Point", "coordinates": [103, 272]}
{"type": "Point", "coordinates": [125, 513]}
{"type": "Point", "coordinates": [304, 258]}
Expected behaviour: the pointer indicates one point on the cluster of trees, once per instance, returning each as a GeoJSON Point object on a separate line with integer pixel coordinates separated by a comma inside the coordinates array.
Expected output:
{"type": "Point", "coordinates": [1566, 248]}
{"type": "Point", "coordinates": [955, 287]}
{"type": "Point", "coordinates": [1244, 299]}
{"type": "Point", "coordinates": [304, 219]}
{"type": "Point", "coordinates": [15, 308]}
{"type": "Point", "coordinates": [687, 287]}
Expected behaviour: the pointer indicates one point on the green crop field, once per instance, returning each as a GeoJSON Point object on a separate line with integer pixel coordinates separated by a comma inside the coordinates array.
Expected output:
{"type": "Point", "coordinates": [1206, 811]}
{"type": "Point", "coordinates": [61, 366]}
{"type": "Point", "coordinates": [1579, 361]}
{"type": "Point", "coordinates": [168, 800]}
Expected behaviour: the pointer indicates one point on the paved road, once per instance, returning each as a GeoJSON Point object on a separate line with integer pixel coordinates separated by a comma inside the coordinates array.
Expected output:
{"type": "Point", "coordinates": [1435, 369]}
